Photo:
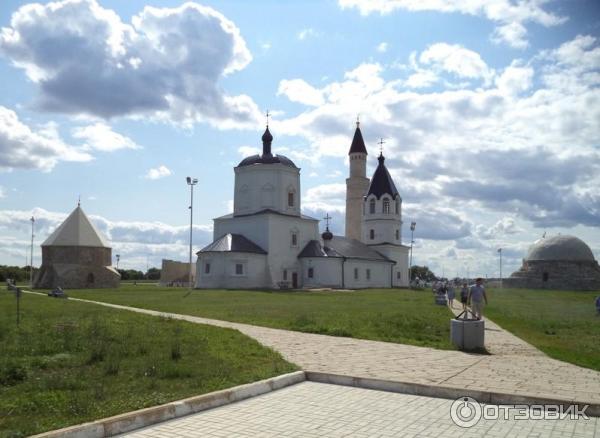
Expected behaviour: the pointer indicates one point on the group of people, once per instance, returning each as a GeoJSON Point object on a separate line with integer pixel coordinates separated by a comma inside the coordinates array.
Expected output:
{"type": "Point", "coordinates": [473, 297]}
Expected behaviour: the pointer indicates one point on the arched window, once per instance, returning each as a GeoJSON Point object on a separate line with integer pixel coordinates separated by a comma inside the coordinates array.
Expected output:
{"type": "Point", "coordinates": [397, 234]}
{"type": "Point", "coordinates": [372, 206]}
{"type": "Point", "coordinates": [290, 199]}
{"type": "Point", "coordinates": [371, 234]}
{"type": "Point", "coordinates": [386, 206]}
{"type": "Point", "coordinates": [291, 196]}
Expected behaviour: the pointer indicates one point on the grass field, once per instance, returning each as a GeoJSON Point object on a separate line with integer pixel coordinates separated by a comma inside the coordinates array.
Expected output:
{"type": "Point", "coordinates": [563, 324]}
{"type": "Point", "coordinates": [71, 362]}
{"type": "Point", "coordinates": [401, 316]}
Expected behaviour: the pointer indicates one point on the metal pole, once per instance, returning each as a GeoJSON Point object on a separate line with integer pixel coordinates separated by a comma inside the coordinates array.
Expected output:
{"type": "Point", "coordinates": [31, 258]}
{"type": "Point", "coordinates": [191, 223]}
{"type": "Point", "coordinates": [410, 263]}
{"type": "Point", "coordinates": [500, 251]}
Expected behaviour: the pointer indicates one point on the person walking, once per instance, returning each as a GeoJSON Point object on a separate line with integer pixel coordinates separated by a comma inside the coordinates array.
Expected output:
{"type": "Point", "coordinates": [477, 297]}
{"type": "Point", "coordinates": [464, 295]}
{"type": "Point", "coordinates": [598, 305]}
{"type": "Point", "coordinates": [451, 294]}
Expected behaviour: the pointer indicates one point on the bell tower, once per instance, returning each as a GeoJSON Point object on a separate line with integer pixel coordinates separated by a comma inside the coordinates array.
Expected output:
{"type": "Point", "coordinates": [356, 185]}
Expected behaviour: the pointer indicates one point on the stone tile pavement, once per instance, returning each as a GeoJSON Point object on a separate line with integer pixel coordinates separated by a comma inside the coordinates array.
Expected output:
{"type": "Point", "coordinates": [312, 409]}
{"type": "Point", "coordinates": [515, 367]}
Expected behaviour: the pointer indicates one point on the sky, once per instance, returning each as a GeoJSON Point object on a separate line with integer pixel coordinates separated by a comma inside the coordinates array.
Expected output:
{"type": "Point", "coordinates": [489, 109]}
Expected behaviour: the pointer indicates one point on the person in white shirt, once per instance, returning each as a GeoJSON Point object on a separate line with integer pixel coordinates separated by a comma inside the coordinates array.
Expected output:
{"type": "Point", "coordinates": [477, 297]}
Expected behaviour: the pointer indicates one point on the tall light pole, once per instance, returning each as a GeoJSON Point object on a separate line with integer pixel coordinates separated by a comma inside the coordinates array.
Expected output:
{"type": "Point", "coordinates": [31, 257]}
{"type": "Point", "coordinates": [500, 253]}
{"type": "Point", "coordinates": [118, 257]}
{"type": "Point", "coordinates": [191, 182]}
{"type": "Point", "coordinates": [412, 240]}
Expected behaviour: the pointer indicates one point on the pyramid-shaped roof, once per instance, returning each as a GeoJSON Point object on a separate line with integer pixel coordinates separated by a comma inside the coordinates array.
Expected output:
{"type": "Point", "coordinates": [76, 230]}
{"type": "Point", "coordinates": [382, 182]}
{"type": "Point", "coordinates": [358, 144]}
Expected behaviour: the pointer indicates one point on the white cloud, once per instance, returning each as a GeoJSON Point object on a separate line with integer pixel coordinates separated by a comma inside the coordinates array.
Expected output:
{"type": "Point", "coordinates": [26, 148]}
{"type": "Point", "coordinates": [515, 79]}
{"type": "Point", "coordinates": [167, 63]}
{"type": "Point", "coordinates": [297, 90]}
{"type": "Point", "coordinates": [508, 14]}
{"type": "Point", "coordinates": [158, 172]}
{"type": "Point", "coordinates": [382, 47]}
{"type": "Point", "coordinates": [135, 241]}
{"type": "Point", "coordinates": [246, 151]}
{"type": "Point", "coordinates": [101, 137]}
{"type": "Point", "coordinates": [2, 192]}
{"type": "Point", "coordinates": [513, 34]}
{"type": "Point", "coordinates": [326, 197]}
{"type": "Point", "coordinates": [454, 58]}
{"type": "Point", "coordinates": [307, 33]}
{"type": "Point", "coordinates": [505, 226]}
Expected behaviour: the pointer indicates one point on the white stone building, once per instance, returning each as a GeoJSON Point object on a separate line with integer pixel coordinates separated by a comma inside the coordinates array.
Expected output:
{"type": "Point", "coordinates": [268, 243]}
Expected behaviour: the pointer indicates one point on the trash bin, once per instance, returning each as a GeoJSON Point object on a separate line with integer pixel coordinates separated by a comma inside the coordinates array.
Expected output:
{"type": "Point", "coordinates": [467, 333]}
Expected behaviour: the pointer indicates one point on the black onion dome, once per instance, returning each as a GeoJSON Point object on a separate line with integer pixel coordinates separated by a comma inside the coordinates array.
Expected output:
{"type": "Point", "coordinates": [267, 157]}
{"type": "Point", "coordinates": [382, 182]}
{"type": "Point", "coordinates": [358, 144]}
{"type": "Point", "coordinates": [327, 235]}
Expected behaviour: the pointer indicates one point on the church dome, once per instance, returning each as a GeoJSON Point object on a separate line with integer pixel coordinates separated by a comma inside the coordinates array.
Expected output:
{"type": "Point", "coordinates": [561, 247]}
{"type": "Point", "coordinates": [267, 157]}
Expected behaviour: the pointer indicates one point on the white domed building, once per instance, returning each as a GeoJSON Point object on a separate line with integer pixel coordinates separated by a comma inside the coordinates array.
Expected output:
{"type": "Point", "coordinates": [558, 262]}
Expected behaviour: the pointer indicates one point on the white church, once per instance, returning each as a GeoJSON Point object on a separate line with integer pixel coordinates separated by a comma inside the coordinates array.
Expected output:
{"type": "Point", "coordinates": [268, 243]}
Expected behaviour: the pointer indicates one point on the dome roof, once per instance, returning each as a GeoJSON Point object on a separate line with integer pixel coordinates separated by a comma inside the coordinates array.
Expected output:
{"type": "Point", "coordinates": [258, 159]}
{"type": "Point", "coordinates": [560, 247]}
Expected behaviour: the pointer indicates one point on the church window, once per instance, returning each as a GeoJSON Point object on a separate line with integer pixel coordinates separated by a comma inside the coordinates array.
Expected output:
{"type": "Point", "coordinates": [545, 277]}
{"type": "Point", "coordinates": [290, 199]}
{"type": "Point", "coordinates": [356, 273]}
{"type": "Point", "coordinates": [285, 275]}
{"type": "Point", "coordinates": [386, 206]}
{"type": "Point", "coordinates": [207, 268]}
{"type": "Point", "coordinates": [294, 239]}
{"type": "Point", "coordinates": [372, 206]}
{"type": "Point", "coordinates": [368, 274]}
{"type": "Point", "coordinates": [311, 272]}
{"type": "Point", "coordinates": [397, 234]}
{"type": "Point", "coordinates": [239, 269]}
{"type": "Point", "coordinates": [371, 234]}
{"type": "Point", "coordinates": [398, 275]}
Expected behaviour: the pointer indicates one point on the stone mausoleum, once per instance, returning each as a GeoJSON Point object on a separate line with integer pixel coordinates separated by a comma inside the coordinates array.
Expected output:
{"type": "Point", "coordinates": [76, 256]}
{"type": "Point", "coordinates": [558, 262]}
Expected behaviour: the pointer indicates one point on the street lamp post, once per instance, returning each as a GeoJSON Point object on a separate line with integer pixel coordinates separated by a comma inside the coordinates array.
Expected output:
{"type": "Point", "coordinates": [412, 240]}
{"type": "Point", "coordinates": [191, 182]}
{"type": "Point", "coordinates": [500, 253]}
{"type": "Point", "coordinates": [118, 257]}
{"type": "Point", "coordinates": [31, 257]}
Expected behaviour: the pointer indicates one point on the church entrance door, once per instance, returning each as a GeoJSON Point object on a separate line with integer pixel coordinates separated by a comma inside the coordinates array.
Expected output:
{"type": "Point", "coordinates": [295, 280]}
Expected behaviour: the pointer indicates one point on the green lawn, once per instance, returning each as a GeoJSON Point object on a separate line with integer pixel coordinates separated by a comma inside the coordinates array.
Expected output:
{"type": "Point", "coordinates": [563, 324]}
{"type": "Point", "coordinates": [71, 362]}
{"type": "Point", "coordinates": [401, 316]}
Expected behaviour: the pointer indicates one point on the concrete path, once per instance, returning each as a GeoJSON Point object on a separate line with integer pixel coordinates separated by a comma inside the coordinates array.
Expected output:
{"type": "Point", "coordinates": [314, 410]}
{"type": "Point", "coordinates": [513, 370]}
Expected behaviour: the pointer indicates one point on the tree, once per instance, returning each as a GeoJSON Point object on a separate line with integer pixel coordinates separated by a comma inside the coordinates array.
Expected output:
{"type": "Point", "coordinates": [423, 273]}
{"type": "Point", "coordinates": [153, 274]}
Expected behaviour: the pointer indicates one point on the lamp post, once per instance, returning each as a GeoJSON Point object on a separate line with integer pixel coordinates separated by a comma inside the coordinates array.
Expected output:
{"type": "Point", "coordinates": [31, 257]}
{"type": "Point", "coordinates": [118, 257]}
{"type": "Point", "coordinates": [500, 254]}
{"type": "Point", "coordinates": [191, 182]}
{"type": "Point", "coordinates": [412, 240]}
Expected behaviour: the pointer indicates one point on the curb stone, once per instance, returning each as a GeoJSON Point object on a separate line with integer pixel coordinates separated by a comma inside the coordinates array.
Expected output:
{"type": "Point", "coordinates": [148, 416]}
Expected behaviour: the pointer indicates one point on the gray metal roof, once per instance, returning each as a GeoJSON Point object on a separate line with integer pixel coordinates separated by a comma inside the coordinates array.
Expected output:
{"type": "Point", "coordinates": [265, 211]}
{"type": "Point", "coordinates": [382, 182]}
{"type": "Point", "coordinates": [233, 243]}
{"type": "Point", "coordinates": [560, 247]}
{"type": "Point", "coordinates": [76, 230]}
{"type": "Point", "coordinates": [342, 247]}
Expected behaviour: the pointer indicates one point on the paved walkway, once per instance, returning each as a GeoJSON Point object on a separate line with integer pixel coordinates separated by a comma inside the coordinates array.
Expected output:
{"type": "Point", "coordinates": [314, 410]}
{"type": "Point", "coordinates": [515, 368]}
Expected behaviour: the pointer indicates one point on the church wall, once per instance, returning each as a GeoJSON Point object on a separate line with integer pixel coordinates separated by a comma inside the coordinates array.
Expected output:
{"type": "Point", "coordinates": [384, 225]}
{"type": "Point", "coordinates": [255, 228]}
{"type": "Point", "coordinates": [380, 274]}
{"type": "Point", "coordinates": [223, 275]}
{"type": "Point", "coordinates": [326, 272]}
{"type": "Point", "coordinates": [283, 255]}
{"type": "Point", "coordinates": [265, 186]}
{"type": "Point", "coordinates": [399, 254]}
